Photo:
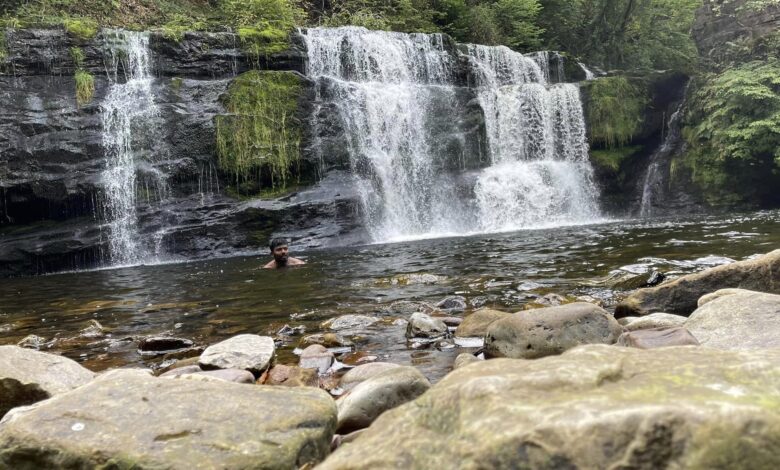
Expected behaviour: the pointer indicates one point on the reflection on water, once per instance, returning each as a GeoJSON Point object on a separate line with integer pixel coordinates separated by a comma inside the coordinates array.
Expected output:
{"type": "Point", "coordinates": [210, 300]}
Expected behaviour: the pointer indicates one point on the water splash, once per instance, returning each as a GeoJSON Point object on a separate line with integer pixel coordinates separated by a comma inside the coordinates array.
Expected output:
{"type": "Point", "coordinates": [127, 112]}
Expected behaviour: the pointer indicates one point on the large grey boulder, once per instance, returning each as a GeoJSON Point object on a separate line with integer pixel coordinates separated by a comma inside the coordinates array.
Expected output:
{"type": "Point", "coordinates": [657, 338]}
{"type": "Point", "coordinates": [374, 396]}
{"type": "Point", "coordinates": [478, 322]}
{"type": "Point", "coordinates": [737, 320]}
{"type": "Point", "coordinates": [422, 325]}
{"type": "Point", "coordinates": [249, 352]}
{"type": "Point", "coordinates": [129, 419]}
{"type": "Point", "coordinates": [681, 295]}
{"type": "Point", "coordinates": [547, 331]}
{"type": "Point", "coordinates": [593, 407]}
{"type": "Point", "coordinates": [28, 376]}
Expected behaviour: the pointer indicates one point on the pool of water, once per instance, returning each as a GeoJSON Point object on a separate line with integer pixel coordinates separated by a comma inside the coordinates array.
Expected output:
{"type": "Point", "coordinates": [207, 301]}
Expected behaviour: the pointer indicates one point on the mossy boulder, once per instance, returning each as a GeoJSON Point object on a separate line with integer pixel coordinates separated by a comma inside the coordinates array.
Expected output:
{"type": "Point", "coordinates": [28, 376]}
{"type": "Point", "coordinates": [129, 419]}
{"type": "Point", "coordinates": [594, 406]}
{"type": "Point", "coordinates": [681, 295]}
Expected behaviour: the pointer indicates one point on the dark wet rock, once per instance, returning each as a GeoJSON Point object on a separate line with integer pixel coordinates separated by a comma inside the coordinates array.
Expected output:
{"type": "Point", "coordinates": [648, 279]}
{"type": "Point", "coordinates": [291, 376]}
{"type": "Point", "coordinates": [476, 324]}
{"type": "Point", "coordinates": [654, 320]}
{"type": "Point", "coordinates": [464, 359]}
{"type": "Point", "coordinates": [592, 407]}
{"type": "Point", "coordinates": [737, 319]}
{"type": "Point", "coordinates": [32, 342]}
{"type": "Point", "coordinates": [382, 392]}
{"type": "Point", "coordinates": [364, 372]}
{"type": "Point", "coordinates": [28, 376]}
{"type": "Point", "coordinates": [453, 303]}
{"type": "Point", "coordinates": [316, 357]}
{"type": "Point", "coordinates": [657, 338]}
{"type": "Point", "coordinates": [163, 344]}
{"type": "Point", "coordinates": [349, 322]}
{"type": "Point", "coordinates": [196, 424]}
{"type": "Point", "coordinates": [424, 326]}
{"type": "Point", "coordinates": [681, 295]}
{"type": "Point", "coordinates": [549, 331]}
{"type": "Point", "coordinates": [185, 353]}
{"type": "Point", "coordinates": [288, 330]}
{"type": "Point", "coordinates": [249, 352]}
{"type": "Point", "coordinates": [329, 340]}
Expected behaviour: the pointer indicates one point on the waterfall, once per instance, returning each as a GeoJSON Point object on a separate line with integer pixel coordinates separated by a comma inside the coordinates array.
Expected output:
{"type": "Point", "coordinates": [128, 116]}
{"type": "Point", "coordinates": [394, 94]}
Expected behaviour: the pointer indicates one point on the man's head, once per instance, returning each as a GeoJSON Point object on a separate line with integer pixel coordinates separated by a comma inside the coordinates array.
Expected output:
{"type": "Point", "coordinates": [279, 247]}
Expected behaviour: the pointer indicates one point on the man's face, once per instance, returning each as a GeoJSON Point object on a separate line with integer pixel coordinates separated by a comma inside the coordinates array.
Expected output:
{"type": "Point", "coordinates": [280, 254]}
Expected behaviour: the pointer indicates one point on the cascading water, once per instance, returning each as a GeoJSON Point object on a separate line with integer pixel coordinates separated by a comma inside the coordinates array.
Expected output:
{"type": "Point", "coordinates": [127, 113]}
{"type": "Point", "coordinates": [387, 89]}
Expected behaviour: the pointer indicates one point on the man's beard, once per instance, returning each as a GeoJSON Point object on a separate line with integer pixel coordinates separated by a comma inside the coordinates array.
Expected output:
{"type": "Point", "coordinates": [281, 261]}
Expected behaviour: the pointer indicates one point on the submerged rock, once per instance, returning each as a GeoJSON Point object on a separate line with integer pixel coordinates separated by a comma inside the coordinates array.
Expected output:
{"type": "Point", "coordinates": [657, 338]}
{"type": "Point", "coordinates": [32, 342]}
{"type": "Point", "coordinates": [329, 340]}
{"type": "Point", "coordinates": [28, 376]}
{"type": "Point", "coordinates": [737, 319]}
{"type": "Point", "coordinates": [594, 406]}
{"type": "Point", "coordinates": [250, 352]}
{"type": "Point", "coordinates": [453, 303]}
{"type": "Point", "coordinates": [380, 393]}
{"type": "Point", "coordinates": [163, 344]}
{"type": "Point", "coordinates": [128, 419]}
{"type": "Point", "coordinates": [681, 295]}
{"type": "Point", "coordinates": [349, 322]}
{"type": "Point", "coordinates": [364, 372]}
{"type": "Point", "coordinates": [654, 320]}
{"type": "Point", "coordinates": [424, 326]}
{"type": "Point", "coordinates": [478, 322]}
{"type": "Point", "coordinates": [547, 331]}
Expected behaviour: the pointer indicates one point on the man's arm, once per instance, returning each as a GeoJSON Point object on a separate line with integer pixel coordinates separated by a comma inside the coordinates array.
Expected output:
{"type": "Point", "coordinates": [295, 262]}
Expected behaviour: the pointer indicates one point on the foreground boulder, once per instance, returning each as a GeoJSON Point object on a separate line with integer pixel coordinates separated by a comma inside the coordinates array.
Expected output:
{"type": "Point", "coordinates": [681, 295]}
{"type": "Point", "coordinates": [364, 372]}
{"type": "Point", "coordinates": [737, 319]}
{"type": "Point", "coordinates": [593, 407]}
{"type": "Point", "coordinates": [248, 352]}
{"type": "Point", "coordinates": [657, 338]}
{"type": "Point", "coordinates": [548, 331]}
{"type": "Point", "coordinates": [478, 322]}
{"type": "Point", "coordinates": [128, 419]}
{"type": "Point", "coordinates": [654, 320]}
{"type": "Point", "coordinates": [380, 393]}
{"type": "Point", "coordinates": [28, 376]}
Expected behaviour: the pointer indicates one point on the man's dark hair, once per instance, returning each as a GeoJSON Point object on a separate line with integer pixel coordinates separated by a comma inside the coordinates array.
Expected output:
{"type": "Point", "coordinates": [278, 242]}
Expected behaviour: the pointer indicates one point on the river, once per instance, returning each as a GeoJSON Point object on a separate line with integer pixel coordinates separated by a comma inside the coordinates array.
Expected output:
{"type": "Point", "coordinates": [207, 301]}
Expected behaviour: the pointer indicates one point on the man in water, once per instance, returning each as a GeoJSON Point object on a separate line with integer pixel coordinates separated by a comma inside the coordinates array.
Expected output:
{"type": "Point", "coordinates": [279, 249]}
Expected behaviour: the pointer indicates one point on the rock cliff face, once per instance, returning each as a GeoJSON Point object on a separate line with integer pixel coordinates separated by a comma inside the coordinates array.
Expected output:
{"type": "Point", "coordinates": [719, 22]}
{"type": "Point", "coordinates": [52, 157]}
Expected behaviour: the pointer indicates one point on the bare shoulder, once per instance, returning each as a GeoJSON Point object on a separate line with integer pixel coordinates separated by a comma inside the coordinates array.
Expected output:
{"type": "Point", "coordinates": [295, 262]}
{"type": "Point", "coordinates": [270, 265]}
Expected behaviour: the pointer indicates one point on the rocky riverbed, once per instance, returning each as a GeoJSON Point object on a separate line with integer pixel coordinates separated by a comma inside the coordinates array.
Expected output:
{"type": "Point", "coordinates": [565, 386]}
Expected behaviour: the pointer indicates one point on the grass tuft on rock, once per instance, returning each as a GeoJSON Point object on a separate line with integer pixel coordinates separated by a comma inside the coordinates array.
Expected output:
{"type": "Point", "coordinates": [260, 139]}
{"type": "Point", "coordinates": [85, 87]}
{"type": "Point", "coordinates": [81, 28]}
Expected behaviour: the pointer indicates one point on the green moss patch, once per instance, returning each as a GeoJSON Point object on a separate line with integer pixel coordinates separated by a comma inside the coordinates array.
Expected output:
{"type": "Point", "coordinates": [615, 110]}
{"type": "Point", "coordinates": [85, 87]}
{"type": "Point", "coordinates": [259, 140]}
{"type": "Point", "coordinates": [613, 158]}
{"type": "Point", "coordinates": [81, 28]}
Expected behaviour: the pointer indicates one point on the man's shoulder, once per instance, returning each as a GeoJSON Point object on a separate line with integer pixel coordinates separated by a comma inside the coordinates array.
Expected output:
{"type": "Point", "coordinates": [295, 262]}
{"type": "Point", "coordinates": [270, 265]}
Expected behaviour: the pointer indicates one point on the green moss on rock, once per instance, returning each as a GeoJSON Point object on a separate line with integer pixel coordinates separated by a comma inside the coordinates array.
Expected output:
{"type": "Point", "coordinates": [81, 28]}
{"type": "Point", "coordinates": [260, 138]}
{"type": "Point", "coordinates": [85, 87]}
{"type": "Point", "coordinates": [615, 110]}
{"type": "Point", "coordinates": [613, 158]}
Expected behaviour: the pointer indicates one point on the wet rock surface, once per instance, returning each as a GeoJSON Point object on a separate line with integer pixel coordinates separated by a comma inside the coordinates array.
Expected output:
{"type": "Point", "coordinates": [681, 295]}
{"type": "Point", "coordinates": [477, 323]}
{"type": "Point", "coordinates": [364, 372]}
{"type": "Point", "coordinates": [425, 326]}
{"type": "Point", "coordinates": [654, 320]}
{"type": "Point", "coordinates": [316, 357]}
{"type": "Point", "coordinates": [98, 425]}
{"type": "Point", "coordinates": [250, 352]}
{"type": "Point", "coordinates": [588, 408]}
{"type": "Point", "coordinates": [291, 376]}
{"type": "Point", "coordinates": [28, 376]}
{"type": "Point", "coordinates": [737, 319]}
{"type": "Point", "coordinates": [375, 395]}
{"type": "Point", "coordinates": [548, 331]}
